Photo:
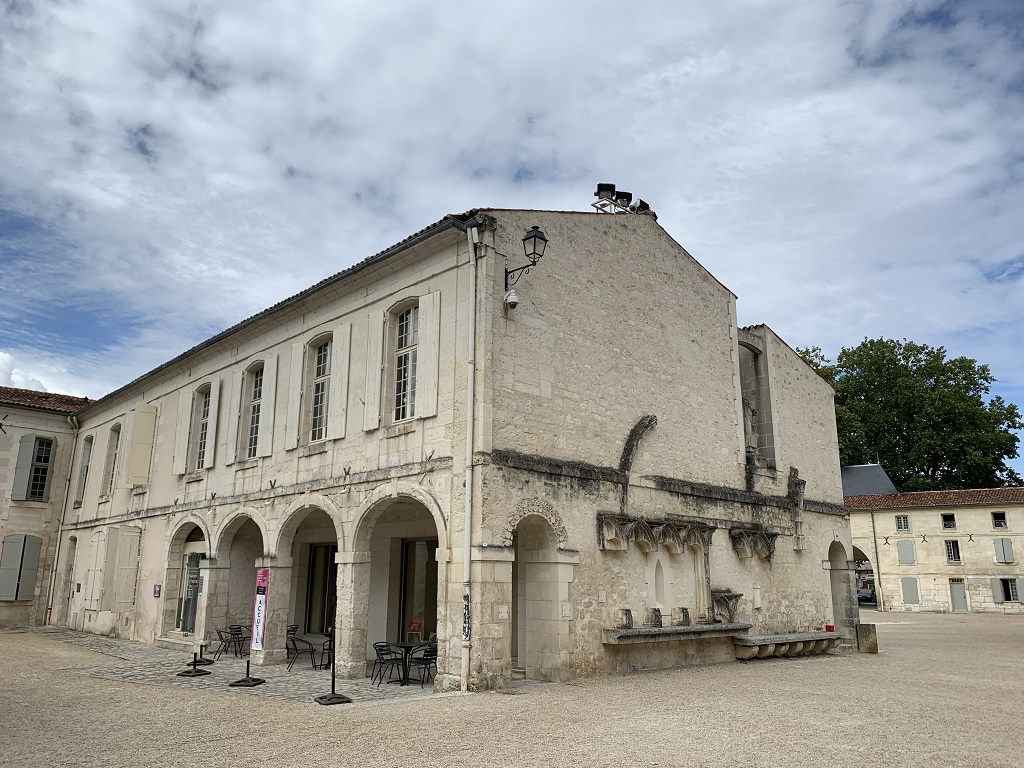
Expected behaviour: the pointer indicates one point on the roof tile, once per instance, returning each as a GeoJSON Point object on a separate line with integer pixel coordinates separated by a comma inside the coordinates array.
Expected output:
{"type": "Point", "coordinates": [975, 497]}
{"type": "Point", "coordinates": [42, 401]}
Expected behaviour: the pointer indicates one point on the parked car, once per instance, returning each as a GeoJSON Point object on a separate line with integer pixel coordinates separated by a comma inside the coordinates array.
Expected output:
{"type": "Point", "coordinates": [865, 595]}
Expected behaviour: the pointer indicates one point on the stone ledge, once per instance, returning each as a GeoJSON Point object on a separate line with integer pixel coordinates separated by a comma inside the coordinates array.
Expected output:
{"type": "Point", "coordinates": [671, 634]}
{"type": "Point", "coordinates": [794, 644]}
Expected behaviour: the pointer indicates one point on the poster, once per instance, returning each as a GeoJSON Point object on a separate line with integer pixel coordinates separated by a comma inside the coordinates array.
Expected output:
{"type": "Point", "coordinates": [259, 610]}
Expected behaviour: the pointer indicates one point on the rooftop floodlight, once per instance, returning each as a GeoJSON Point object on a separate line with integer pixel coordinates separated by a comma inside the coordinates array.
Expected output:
{"type": "Point", "coordinates": [605, 191]}
{"type": "Point", "coordinates": [642, 206]}
{"type": "Point", "coordinates": [623, 198]}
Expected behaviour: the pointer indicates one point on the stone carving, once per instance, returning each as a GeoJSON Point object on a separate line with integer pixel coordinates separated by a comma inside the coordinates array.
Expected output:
{"type": "Point", "coordinates": [749, 431]}
{"type": "Point", "coordinates": [748, 541]}
{"type": "Point", "coordinates": [680, 617]}
{"type": "Point", "coordinates": [617, 532]}
{"type": "Point", "coordinates": [725, 602]}
{"type": "Point", "coordinates": [541, 508]}
{"type": "Point", "coordinates": [653, 617]}
{"type": "Point", "coordinates": [625, 619]}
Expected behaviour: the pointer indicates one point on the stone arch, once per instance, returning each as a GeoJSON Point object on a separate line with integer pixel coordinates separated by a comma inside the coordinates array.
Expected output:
{"type": "Point", "coordinates": [541, 508]}
{"type": "Point", "coordinates": [232, 523]}
{"type": "Point", "coordinates": [176, 534]}
{"type": "Point", "coordinates": [291, 519]}
{"type": "Point", "coordinates": [842, 587]}
{"type": "Point", "coordinates": [371, 508]}
{"type": "Point", "coordinates": [629, 450]}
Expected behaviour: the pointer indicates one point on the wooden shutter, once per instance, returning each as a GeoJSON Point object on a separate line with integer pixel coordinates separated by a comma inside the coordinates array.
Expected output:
{"type": "Point", "coordinates": [374, 362]}
{"type": "Point", "coordinates": [10, 565]}
{"type": "Point", "coordinates": [337, 413]}
{"type": "Point", "coordinates": [182, 432]}
{"type": "Point", "coordinates": [1020, 588]}
{"type": "Point", "coordinates": [905, 549]}
{"type": "Point", "coordinates": [997, 590]}
{"type": "Point", "coordinates": [910, 593]}
{"type": "Point", "coordinates": [140, 446]}
{"type": "Point", "coordinates": [29, 567]}
{"type": "Point", "coordinates": [23, 469]}
{"type": "Point", "coordinates": [109, 566]}
{"type": "Point", "coordinates": [427, 354]}
{"type": "Point", "coordinates": [293, 425]}
{"type": "Point", "coordinates": [126, 568]}
{"type": "Point", "coordinates": [265, 438]}
{"type": "Point", "coordinates": [94, 584]}
{"type": "Point", "coordinates": [1004, 550]}
{"type": "Point", "coordinates": [235, 416]}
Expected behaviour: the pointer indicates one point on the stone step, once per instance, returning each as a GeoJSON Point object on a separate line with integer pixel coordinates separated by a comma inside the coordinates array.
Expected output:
{"type": "Point", "coordinates": [518, 674]}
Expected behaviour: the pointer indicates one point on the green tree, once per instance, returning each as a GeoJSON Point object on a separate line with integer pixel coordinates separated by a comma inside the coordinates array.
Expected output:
{"type": "Point", "coordinates": [926, 419]}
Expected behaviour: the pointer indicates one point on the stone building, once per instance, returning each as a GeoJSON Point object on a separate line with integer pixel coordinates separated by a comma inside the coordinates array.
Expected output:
{"type": "Point", "coordinates": [943, 551]}
{"type": "Point", "coordinates": [406, 449]}
{"type": "Point", "coordinates": [36, 439]}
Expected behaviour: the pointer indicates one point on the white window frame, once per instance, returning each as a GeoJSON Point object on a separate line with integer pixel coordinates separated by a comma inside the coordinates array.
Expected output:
{"type": "Point", "coordinates": [1000, 524]}
{"type": "Point", "coordinates": [201, 442]}
{"type": "Point", "coordinates": [321, 351]}
{"type": "Point", "coordinates": [405, 343]}
{"type": "Point", "coordinates": [905, 519]}
{"type": "Point", "coordinates": [33, 469]}
{"type": "Point", "coordinates": [948, 525]}
{"type": "Point", "coordinates": [110, 463]}
{"type": "Point", "coordinates": [252, 412]}
{"type": "Point", "coordinates": [83, 469]}
{"type": "Point", "coordinates": [953, 548]}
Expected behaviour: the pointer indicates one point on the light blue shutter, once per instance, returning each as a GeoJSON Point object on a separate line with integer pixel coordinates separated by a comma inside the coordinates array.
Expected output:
{"type": "Point", "coordinates": [29, 566]}
{"type": "Point", "coordinates": [10, 565]}
{"type": "Point", "coordinates": [23, 469]}
{"type": "Point", "coordinates": [910, 594]}
{"type": "Point", "coordinates": [905, 549]}
{"type": "Point", "coordinates": [997, 590]}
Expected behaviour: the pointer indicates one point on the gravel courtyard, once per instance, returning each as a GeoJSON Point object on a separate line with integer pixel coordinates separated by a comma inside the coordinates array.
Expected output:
{"type": "Point", "coordinates": [946, 690]}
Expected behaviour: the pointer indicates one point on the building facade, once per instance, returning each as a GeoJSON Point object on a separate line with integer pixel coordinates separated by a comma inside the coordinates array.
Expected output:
{"type": "Point", "coordinates": [400, 452]}
{"type": "Point", "coordinates": [947, 551]}
{"type": "Point", "coordinates": [36, 442]}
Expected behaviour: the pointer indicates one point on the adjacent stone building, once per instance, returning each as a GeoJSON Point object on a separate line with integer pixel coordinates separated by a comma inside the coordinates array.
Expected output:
{"type": "Point", "coordinates": [600, 472]}
{"type": "Point", "coordinates": [36, 441]}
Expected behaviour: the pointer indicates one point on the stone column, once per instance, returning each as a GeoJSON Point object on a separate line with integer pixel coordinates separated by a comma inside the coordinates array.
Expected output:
{"type": "Point", "coordinates": [212, 611]}
{"type": "Point", "coordinates": [353, 590]}
{"type": "Point", "coordinates": [278, 608]}
{"type": "Point", "coordinates": [491, 652]}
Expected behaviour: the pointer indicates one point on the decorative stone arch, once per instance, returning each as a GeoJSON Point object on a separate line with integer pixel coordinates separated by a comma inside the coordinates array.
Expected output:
{"type": "Point", "coordinates": [541, 508]}
{"type": "Point", "coordinates": [174, 534]}
{"type": "Point", "coordinates": [371, 508]}
{"type": "Point", "coordinates": [291, 519]}
{"type": "Point", "coordinates": [232, 523]}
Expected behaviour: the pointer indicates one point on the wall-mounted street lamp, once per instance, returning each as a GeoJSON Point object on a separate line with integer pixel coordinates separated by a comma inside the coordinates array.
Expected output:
{"type": "Point", "coordinates": [534, 244]}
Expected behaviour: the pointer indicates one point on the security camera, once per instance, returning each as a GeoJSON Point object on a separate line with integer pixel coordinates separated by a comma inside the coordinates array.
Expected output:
{"type": "Point", "coordinates": [512, 299]}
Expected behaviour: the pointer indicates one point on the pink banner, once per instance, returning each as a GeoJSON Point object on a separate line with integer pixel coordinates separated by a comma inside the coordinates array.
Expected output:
{"type": "Point", "coordinates": [259, 610]}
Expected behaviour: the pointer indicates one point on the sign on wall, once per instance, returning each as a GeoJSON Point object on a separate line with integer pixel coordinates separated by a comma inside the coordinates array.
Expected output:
{"type": "Point", "coordinates": [259, 612]}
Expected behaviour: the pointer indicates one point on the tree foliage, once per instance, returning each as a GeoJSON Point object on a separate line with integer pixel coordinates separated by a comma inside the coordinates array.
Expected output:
{"type": "Point", "coordinates": [926, 419]}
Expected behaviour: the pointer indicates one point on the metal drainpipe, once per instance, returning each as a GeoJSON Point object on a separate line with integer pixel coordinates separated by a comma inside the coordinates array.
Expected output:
{"type": "Point", "coordinates": [473, 236]}
{"type": "Point", "coordinates": [60, 525]}
{"type": "Point", "coordinates": [879, 601]}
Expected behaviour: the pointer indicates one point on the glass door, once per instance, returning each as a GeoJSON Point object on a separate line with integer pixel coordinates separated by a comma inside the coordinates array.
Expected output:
{"type": "Point", "coordinates": [321, 595]}
{"type": "Point", "coordinates": [189, 596]}
{"type": "Point", "coordinates": [419, 590]}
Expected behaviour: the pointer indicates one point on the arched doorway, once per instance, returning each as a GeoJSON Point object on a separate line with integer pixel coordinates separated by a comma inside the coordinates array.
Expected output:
{"type": "Point", "coordinates": [313, 593]}
{"type": "Point", "coordinates": [841, 582]}
{"type": "Point", "coordinates": [189, 547]}
{"type": "Point", "coordinates": [867, 589]}
{"type": "Point", "coordinates": [541, 644]}
{"type": "Point", "coordinates": [232, 577]}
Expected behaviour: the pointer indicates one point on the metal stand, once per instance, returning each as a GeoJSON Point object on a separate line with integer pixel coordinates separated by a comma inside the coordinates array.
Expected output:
{"type": "Point", "coordinates": [333, 698]}
{"type": "Point", "coordinates": [247, 681]}
{"type": "Point", "coordinates": [193, 672]}
{"type": "Point", "coordinates": [201, 661]}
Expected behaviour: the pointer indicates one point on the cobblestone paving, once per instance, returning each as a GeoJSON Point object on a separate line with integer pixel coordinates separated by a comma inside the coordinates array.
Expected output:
{"type": "Point", "coordinates": [149, 665]}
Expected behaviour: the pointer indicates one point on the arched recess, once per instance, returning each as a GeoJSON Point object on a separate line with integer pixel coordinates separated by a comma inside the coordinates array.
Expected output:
{"type": "Point", "coordinates": [295, 514]}
{"type": "Point", "coordinates": [237, 545]}
{"type": "Point", "coordinates": [541, 642]}
{"type": "Point", "coordinates": [538, 508]}
{"type": "Point", "coordinates": [188, 545]}
{"type": "Point", "coordinates": [865, 577]}
{"type": "Point", "coordinates": [229, 527]}
{"type": "Point", "coordinates": [394, 590]}
{"type": "Point", "coordinates": [841, 583]}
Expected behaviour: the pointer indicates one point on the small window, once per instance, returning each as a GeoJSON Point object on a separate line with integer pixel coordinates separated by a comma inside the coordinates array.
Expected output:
{"type": "Point", "coordinates": [953, 552]}
{"type": "Point", "coordinates": [1004, 550]}
{"type": "Point", "coordinates": [902, 523]}
{"type": "Point", "coordinates": [32, 470]}
{"type": "Point", "coordinates": [949, 521]}
{"type": "Point", "coordinates": [905, 550]}
{"type": "Point", "coordinates": [1005, 590]}
{"type": "Point", "coordinates": [999, 520]}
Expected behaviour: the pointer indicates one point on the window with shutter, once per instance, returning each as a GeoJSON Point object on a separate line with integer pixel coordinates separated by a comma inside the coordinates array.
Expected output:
{"type": "Point", "coordinates": [1004, 550]}
{"type": "Point", "coordinates": [910, 593]}
{"type": "Point", "coordinates": [19, 563]}
{"type": "Point", "coordinates": [83, 470]}
{"type": "Point", "coordinates": [905, 550]}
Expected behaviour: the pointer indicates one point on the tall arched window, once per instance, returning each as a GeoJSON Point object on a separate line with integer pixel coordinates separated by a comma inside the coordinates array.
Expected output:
{"type": "Point", "coordinates": [110, 465]}
{"type": "Point", "coordinates": [83, 470]}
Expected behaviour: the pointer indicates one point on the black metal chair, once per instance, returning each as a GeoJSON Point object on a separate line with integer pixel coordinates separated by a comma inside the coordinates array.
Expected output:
{"type": "Point", "coordinates": [388, 658]}
{"type": "Point", "coordinates": [226, 642]}
{"type": "Point", "coordinates": [239, 639]}
{"type": "Point", "coordinates": [296, 645]}
{"type": "Point", "coordinates": [424, 659]}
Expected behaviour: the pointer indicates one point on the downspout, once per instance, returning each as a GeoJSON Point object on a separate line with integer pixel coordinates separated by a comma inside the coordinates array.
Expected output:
{"type": "Point", "coordinates": [473, 236]}
{"type": "Point", "coordinates": [60, 525]}
{"type": "Point", "coordinates": [880, 602]}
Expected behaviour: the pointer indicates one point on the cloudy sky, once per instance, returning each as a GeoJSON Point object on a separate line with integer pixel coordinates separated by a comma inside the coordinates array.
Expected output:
{"type": "Point", "coordinates": [849, 169]}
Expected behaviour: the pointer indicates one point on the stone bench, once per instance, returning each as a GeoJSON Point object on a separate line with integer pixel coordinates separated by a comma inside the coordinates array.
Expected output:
{"type": "Point", "coordinates": [632, 635]}
{"type": "Point", "coordinates": [793, 644]}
